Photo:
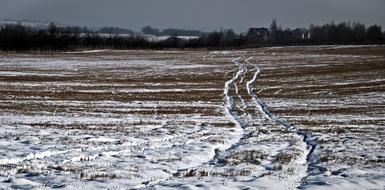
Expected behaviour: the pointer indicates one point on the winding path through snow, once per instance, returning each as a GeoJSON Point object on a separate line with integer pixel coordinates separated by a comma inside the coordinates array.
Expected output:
{"type": "Point", "coordinates": [311, 144]}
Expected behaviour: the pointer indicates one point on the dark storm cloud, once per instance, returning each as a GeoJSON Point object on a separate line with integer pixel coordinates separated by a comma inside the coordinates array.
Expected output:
{"type": "Point", "coordinates": [197, 14]}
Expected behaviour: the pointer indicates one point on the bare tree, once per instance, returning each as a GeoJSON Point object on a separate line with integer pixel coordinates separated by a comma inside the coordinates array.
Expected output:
{"type": "Point", "coordinates": [273, 30]}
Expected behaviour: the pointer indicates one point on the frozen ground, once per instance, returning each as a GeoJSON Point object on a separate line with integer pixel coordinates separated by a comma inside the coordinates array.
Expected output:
{"type": "Point", "coordinates": [269, 118]}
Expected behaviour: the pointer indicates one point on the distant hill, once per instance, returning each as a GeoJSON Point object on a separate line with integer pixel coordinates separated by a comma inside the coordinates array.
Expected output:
{"type": "Point", "coordinates": [27, 23]}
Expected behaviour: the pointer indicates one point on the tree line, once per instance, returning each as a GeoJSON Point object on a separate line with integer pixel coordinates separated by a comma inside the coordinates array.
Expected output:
{"type": "Point", "coordinates": [54, 38]}
{"type": "Point", "coordinates": [346, 33]}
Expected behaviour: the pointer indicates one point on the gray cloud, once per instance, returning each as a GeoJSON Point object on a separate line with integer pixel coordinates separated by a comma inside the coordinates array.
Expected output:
{"type": "Point", "coordinates": [194, 14]}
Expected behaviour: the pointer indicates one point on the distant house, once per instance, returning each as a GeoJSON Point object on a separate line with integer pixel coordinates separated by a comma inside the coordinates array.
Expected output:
{"type": "Point", "coordinates": [258, 34]}
{"type": "Point", "coordinates": [301, 34]}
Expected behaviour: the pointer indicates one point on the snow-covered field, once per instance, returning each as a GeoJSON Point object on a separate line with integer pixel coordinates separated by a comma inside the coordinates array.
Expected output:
{"type": "Point", "coordinates": [269, 118]}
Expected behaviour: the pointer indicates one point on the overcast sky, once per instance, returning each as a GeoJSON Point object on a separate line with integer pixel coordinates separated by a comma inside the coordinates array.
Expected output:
{"type": "Point", "coordinates": [194, 14]}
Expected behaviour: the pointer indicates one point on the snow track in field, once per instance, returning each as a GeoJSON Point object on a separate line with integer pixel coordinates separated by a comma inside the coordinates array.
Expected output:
{"type": "Point", "coordinates": [230, 107]}
{"type": "Point", "coordinates": [311, 158]}
{"type": "Point", "coordinates": [227, 91]}
{"type": "Point", "coordinates": [243, 71]}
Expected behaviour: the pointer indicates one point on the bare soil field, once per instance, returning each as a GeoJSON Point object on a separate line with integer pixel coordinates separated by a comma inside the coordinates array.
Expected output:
{"type": "Point", "coordinates": [310, 117]}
